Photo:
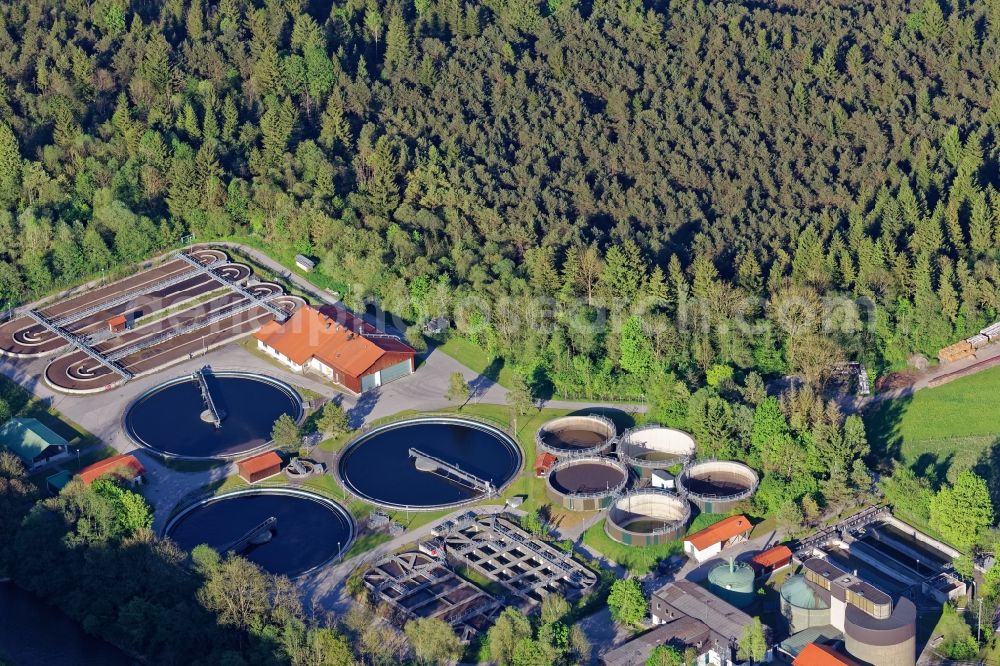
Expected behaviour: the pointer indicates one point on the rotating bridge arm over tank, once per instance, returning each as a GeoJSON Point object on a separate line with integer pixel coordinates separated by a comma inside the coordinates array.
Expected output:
{"type": "Point", "coordinates": [206, 396]}
{"type": "Point", "coordinates": [428, 463]}
{"type": "Point", "coordinates": [255, 536]}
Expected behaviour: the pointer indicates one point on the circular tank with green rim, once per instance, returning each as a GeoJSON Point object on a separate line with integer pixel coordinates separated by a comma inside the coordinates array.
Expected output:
{"type": "Point", "coordinates": [733, 581]}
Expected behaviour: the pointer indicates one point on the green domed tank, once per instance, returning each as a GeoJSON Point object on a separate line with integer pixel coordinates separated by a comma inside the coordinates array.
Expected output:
{"type": "Point", "coordinates": [733, 582]}
{"type": "Point", "coordinates": [803, 605]}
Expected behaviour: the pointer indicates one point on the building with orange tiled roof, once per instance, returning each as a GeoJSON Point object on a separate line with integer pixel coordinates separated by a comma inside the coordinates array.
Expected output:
{"type": "Point", "coordinates": [710, 541]}
{"type": "Point", "coordinates": [815, 654]}
{"type": "Point", "coordinates": [772, 559]}
{"type": "Point", "coordinates": [338, 345]}
{"type": "Point", "coordinates": [126, 467]}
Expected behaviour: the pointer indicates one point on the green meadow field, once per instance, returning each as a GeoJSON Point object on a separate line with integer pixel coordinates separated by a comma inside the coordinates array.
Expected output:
{"type": "Point", "coordinates": [940, 431]}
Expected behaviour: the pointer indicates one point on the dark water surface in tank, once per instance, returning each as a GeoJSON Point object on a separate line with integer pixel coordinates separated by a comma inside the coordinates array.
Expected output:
{"type": "Point", "coordinates": [169, 419]}
{"type": "Point", "coordinates": [379, 467]}
{"type": "Point", "coordinates": [32, 633]}
{"type": "Point", "coordinates": [307, 535]}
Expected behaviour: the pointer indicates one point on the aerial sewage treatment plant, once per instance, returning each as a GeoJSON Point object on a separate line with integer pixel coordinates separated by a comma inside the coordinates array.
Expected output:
{"type": "Point", "coordinates": [284, 530]}
{"type": "Point", "coordinates": [428, 463]}
{"type": "Point", "coordinates": [210, 415]}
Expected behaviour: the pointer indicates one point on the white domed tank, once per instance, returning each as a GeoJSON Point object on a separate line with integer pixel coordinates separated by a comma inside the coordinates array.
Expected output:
{"type": "Point", "coordinates": [733, 582]}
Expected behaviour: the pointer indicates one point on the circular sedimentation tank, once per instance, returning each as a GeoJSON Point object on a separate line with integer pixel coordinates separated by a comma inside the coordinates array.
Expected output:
{"type": "Point", "coordinates": [582, 435]}
{"type": "Point", "coordinates": [647, 517]}
{"type": "Point", "coordinates": [733, 581]}
{"type": "Point", "coordinates": [307, 532]}
{"type": "Point", "coordinates": [429, 463]}
{"type": "Point", "coordinates": [717, 486]}
{"type": "Point", "coordinates": [655, 447]}
{"type": "Point", "coordinates": [804, 606]}
{"type": "Point", "coordinates": [170, 420]}
{"type": "Point", "coordinates": [587, 483]}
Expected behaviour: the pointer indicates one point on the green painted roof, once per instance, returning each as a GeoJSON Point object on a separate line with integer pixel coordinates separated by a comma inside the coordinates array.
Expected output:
{"type": "Point", "coordinates": [798, 592]}
{"type": "Point", "coordinates": [59, 479]}
{"type": "Point", "coordinates": [824, 634]}
{"type": "Point", "coordinates": [28, 438]}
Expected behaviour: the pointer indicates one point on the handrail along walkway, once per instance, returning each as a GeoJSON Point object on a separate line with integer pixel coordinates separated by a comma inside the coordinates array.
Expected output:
{"type": "Point", "coordinates": [206, 396]}
{"type": "Point", "coordinates": [280, 314]}
{"type": "Point", "coordinates": [81, 345]}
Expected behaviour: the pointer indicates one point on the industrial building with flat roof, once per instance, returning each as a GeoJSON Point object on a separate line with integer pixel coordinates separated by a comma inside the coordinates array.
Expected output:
{"type": "Point", "coordinates": [875, 628]}
{"type": "Point", "coordinates": [338, 345]}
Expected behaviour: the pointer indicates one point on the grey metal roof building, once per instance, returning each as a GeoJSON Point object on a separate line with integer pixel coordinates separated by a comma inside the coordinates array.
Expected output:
{"type": "Point", "coordinates": [682, 633]}
{"type": "Point", "coordinates": [684, 598]}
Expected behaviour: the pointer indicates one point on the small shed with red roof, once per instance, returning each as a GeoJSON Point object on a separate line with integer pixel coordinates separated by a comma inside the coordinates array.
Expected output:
{"type": "Point", "coordinates": [710, 541]}
{"type": "Point", "coordinates": [124, 467]}
{"type": "Point", "coordinates": [118, 323]}
{"type": "Point", "coordinates": [543, 463]}
{"type": "Point", "coordinates": [768, 561]}
{"type": "Point", "coordinates": [260, 467]}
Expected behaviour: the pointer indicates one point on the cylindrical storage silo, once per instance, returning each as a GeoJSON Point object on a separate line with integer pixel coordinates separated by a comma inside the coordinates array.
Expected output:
{"type": "Point", "coordinates": [804, 605]}
{"type": "Point", "coordinates": [888, 642]}
{"type": "Point", "coordinates": [733, 582]}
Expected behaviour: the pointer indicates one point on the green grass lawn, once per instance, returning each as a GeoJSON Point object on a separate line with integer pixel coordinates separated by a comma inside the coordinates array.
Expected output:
{"type": "Point", "coordinates": [639, 560]}
{"type": "Point", "coordinates": [473, 357]}
{"type": "Point", "coordinates": [939, 431]}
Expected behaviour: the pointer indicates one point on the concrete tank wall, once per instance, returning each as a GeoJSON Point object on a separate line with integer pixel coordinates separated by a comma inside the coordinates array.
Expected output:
{"type": "Point", "coordinates": [800, 619]}
{"type": "Point", "coordinates": [889, 642]}
{"type": "Point", "coordinates": [721, 471]}
{"type": "Point", "coordinates": [646, 504]}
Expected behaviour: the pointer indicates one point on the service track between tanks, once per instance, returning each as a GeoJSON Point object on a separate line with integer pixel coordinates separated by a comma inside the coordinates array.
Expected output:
{"type": "Point", "coordinates": [142, 294]}
{"type": "Point", "coordinates": [78, 373]}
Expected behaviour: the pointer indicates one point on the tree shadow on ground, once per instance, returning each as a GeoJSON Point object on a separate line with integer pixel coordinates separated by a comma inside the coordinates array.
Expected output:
{"type": "Point", "coordinates": [362, 408]}
{"type": "Point", "coordinates": [988, 467]}
{"type": "Point", "coordinates": [932, 467]}
{"type": "Point", "coordinates": [882, 423]}
{"type": "Point", "coordinates": [487, 378]}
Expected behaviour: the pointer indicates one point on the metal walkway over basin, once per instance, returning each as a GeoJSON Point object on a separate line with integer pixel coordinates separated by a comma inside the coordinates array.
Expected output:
{"type": "Point", "coordinates": [80, 344]}
{"type": "Point", "coordinates": [254, 537]}
{"type": "Point", "coordinates": [206, 397]}
{"type": "Point", "coordinates": [163, 336]}
{"type": "Point", "coordinates": [279, 314]}
{"type": "Point", "coordinates": [77, 315]}
{"type": "Point", "coordinates": [428, 463]}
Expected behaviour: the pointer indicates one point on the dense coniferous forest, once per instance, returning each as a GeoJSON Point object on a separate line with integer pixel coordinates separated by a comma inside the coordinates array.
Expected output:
{"type": "Point", "coordinates": [724, 165]}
